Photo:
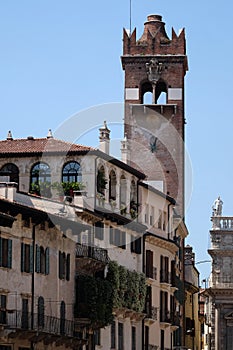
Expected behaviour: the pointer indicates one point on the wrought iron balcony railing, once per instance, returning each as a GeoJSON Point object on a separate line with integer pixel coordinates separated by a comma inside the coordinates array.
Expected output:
{"type": "Point", "coordinates": [152, 313]}
{"type": "Point", "coordinates": [165, 276]}
{"type": "Point", "coordinates": [95, 253]}
{"type": "Point", "coordinates": [19, 320]}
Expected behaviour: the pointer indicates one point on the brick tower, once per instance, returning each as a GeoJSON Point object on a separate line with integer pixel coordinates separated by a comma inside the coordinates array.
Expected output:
{"type": "Point", "coordinates": [157, 65]}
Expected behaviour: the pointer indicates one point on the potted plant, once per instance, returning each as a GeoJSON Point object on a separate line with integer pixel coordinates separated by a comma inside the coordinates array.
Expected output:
{"type": "Point", "coordinates": [101, 198]}
{"type": "Point", "coordinates": [113, 204]}
{"type": "Point", "coordinates": [123, 209]}
{"type": "Point", "coordinates": [101, 181]}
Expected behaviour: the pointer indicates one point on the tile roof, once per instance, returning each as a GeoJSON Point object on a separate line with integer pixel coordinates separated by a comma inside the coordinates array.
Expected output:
{"type": "Point", "coordinates": [39, 145]}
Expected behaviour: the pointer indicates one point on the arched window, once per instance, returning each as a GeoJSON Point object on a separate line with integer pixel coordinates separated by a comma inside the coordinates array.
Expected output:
{"type": "Point", "coordinates": [42, 260]}
{"type": "Point", "coordinates": [62, 317]}
{"type": "Point", "coordinates": [10, 170]}
{"type": "Point", "coordinates": [72, 172]}
{"type": "Point", "coordinates": [148, 98]}
{"type": "Point", "coordinates": [101, 180]}
{"type": "Point", "coordinates": [133, 199]}
{"type": "Point", "coordinates": [41, 312]}
{"type": "Point", "coordinates": [161, 92]}
{"type": "Point", "coordinates": [147, 93]}
{"type": "Point", "coordinates": [123, 190]}
{"type": "Point", "coordinates": [40, 173]}
{"type": "Point", "coordinates": [112, 185]}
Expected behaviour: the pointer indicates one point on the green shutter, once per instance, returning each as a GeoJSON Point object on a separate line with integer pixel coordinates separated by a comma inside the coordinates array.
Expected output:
{"type": "Point", "coordinates": [47, 261]}
{"type": "Point", "coordinates": [31, 258]}
{"type": "Point", "coordinates": [9, 255]}
{"type": "Point", "coordinates": [37, 258]}
{"type": "Point", "coordinates": [22, 256]}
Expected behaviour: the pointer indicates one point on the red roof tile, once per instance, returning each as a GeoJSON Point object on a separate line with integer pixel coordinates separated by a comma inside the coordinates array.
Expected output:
{"type": "Point", "coordinates": [39, 145]}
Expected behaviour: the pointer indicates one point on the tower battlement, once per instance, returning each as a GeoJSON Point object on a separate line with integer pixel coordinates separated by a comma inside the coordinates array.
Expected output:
{"type": "Point", "coordinates": [154, 40]}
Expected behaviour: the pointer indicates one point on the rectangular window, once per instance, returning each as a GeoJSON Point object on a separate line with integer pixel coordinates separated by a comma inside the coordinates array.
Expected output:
{"type": "Point", "coordinates": [164, 220]}
{"type": "Point", "coordinates": [162, 339]}
{"type": "Point", "coordinates": [136, 245]}
{"type": "Point", "coordinates": [160, 220]}
{"type": "Point", "coordinates": [5, 347]}
{"type": "Point", "coordinates": [26, 258]}
{"type": "Point", "coordinates": [64, 266]}
{"type": "Point", "coordinates": [25, 314]}
{"type": "Point", "coordinates": [99, 230]}
{"type": "Point", "coordinates": [133, 337]}
{"type": "Point", "coordinates": [146, 338]}
{"type": "Point", "coordinates": [146, 213]}
{"type": "Point", "coordinates": [5, 252]}
{"type": "Point", "coordinates": [117, 238]}
{"type": "Point", "coordinates": [120, 336]}
{"type": "Point", "coordinates": [3, 309]}
{"type": "Point", "coordinates": [149, 263]}
{"type": "Point", "coordinates": [152, 215]}
{"type": "Point", "coordinates": [113, 335]}
{"type": "Point", "coordinates": [97, 339]}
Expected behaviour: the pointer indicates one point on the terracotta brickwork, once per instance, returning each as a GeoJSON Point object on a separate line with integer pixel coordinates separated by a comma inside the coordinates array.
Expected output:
{"type": "Point", "coordinates": [156, 64]}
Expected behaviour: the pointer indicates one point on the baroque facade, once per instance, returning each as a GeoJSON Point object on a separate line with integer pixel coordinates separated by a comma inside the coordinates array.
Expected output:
{"type": "Point", "coordinates": [219, 317]}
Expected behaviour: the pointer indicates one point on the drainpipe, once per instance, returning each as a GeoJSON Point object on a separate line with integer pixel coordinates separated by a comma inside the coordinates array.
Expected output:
{"type": "Point", "coordinates": [33, 279]}
{"type": "Point", "coordinates": [143, 270]}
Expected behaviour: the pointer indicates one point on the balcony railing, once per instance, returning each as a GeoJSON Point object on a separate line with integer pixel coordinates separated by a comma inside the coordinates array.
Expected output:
{"type": "Point", "coordinates": [165, 316]}
{"type": "Point", "coordinates": [165, 276]}
{"type": "Point", "coordinates": [96, 253]}
{"type": "Point", "coordinates": [221, 282]}
{"type": "Point", "coordinates": [152, 313]}
{"type": "Point", "coordinates": [222, 223]}
{"type": "Point", "coordinates": [19, 320]}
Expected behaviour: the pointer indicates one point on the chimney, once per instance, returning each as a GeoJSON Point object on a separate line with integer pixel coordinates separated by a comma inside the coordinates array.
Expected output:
{"type": "Point", "coordinates": [104, 138]}
{"type": "Point", "coordinates": [50, 135]}
{"type": "Point", "coordinates": [125, 150]}
{"type": "Point", "coordinates": [9, 135]}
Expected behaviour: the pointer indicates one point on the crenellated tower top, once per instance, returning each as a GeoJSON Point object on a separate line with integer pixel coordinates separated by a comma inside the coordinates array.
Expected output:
{"type": "Point", "coordinates": [154, 40]}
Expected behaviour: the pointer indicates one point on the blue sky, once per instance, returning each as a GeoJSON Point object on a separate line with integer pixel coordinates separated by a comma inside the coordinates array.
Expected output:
{"type": "Point", "coordinates": [58, 58]}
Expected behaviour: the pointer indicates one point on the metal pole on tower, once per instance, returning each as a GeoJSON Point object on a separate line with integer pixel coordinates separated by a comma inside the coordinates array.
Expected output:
{"type": "Point", "coordinates": [130, 15]}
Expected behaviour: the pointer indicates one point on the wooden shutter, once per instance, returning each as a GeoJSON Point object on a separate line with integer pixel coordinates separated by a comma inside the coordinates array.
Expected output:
{"type": "Point", "coordinates": [9, 255]}
{"type": "Point", "coordinates": [60, 265]}
{"type": "Point", "coordinates": [47, 261]}
{"type": "Point", "coordinates": [37, 258]}
{"type": "Point", "coordinates": [31, 258]}
{"type": "Point", "coordinates": [149, 263]}
{"type": "Point", "coordinates": [22, 257]}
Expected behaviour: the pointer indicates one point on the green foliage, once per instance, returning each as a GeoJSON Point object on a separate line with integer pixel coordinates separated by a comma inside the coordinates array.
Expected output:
{"type": "Point", "coordinates": [101, 181]}
{"type": "Point", "coordinates": [67, 188]}
{"type": "Point", "coordinates": [94, 300]}
{"type": "Point", "coordinates": [41, 189]}
{"type": "Point", "coordinates": [129, 287]}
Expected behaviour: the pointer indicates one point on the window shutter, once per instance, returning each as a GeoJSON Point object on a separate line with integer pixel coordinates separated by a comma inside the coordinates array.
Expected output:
{"type": "Point", "coordinates": [9, 255]}
{"type": "Point", "coordinates": [0, 251]}
{"type": "Point", "coordinates": [31, 258]}
{"type": "Point", "coordinates": [60, 265]}
{"type": "Point", "coordinates": [138, 248]}
{"type": "Point", "coordinates": [37, 258]}
{"type": "Point", "coordinates": [149, 263]}
{"type": "Point", "coordinates": [47, 261]}
{"type": "Point", "coordinates": [22, 256]}
{"type": "Point", "coordinates": [68, 267]}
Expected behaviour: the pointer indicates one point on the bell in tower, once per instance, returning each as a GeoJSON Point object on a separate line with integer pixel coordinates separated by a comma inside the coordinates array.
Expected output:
{"type": "Point", "coordinates": [156, 65]}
